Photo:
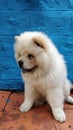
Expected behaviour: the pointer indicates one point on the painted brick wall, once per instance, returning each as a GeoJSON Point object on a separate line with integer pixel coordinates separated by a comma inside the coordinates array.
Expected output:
{"type": "Point", "coordinates": [54, 17]}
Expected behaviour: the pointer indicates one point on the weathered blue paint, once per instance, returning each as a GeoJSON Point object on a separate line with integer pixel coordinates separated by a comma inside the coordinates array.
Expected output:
{"type": "Point", "coordinates": [54, 17]}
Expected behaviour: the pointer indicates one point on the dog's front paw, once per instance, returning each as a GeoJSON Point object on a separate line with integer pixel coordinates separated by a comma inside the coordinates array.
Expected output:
{"type": "Point", "coordinates": [24, 107]}
{"type": "Point", "coordinates": [59, 115]}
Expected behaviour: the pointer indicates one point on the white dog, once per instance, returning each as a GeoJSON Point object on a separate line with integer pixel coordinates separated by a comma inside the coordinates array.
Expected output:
{"type": "Point", "coordinates": [44, 72]}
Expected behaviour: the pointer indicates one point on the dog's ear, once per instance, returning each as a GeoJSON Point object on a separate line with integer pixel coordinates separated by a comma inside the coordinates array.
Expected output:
{"type": "Point", "coordinates": [16, 38]}
{"type": "Point", "coordinates": [38, 41]}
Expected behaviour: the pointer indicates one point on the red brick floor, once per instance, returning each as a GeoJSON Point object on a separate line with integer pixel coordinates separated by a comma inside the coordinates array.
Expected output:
{"type": "Point", "coordinates": [38, 118]}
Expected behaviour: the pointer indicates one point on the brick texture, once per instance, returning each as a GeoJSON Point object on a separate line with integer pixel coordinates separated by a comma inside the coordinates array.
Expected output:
{"type": "Point", "coordinates": [54, 17]}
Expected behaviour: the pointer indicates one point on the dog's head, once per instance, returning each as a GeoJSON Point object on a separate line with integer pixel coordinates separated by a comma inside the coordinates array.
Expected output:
{"type": "Point", "coordinates": [31, 52]}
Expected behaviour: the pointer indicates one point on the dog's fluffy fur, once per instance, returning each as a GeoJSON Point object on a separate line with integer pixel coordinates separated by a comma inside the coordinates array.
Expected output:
{"type": "Point", "coordinates": [44, 72]}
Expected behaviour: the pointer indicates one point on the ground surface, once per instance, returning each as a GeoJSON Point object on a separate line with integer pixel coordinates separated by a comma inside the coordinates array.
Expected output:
{"type": "Point", "coordinates": [39, 118]}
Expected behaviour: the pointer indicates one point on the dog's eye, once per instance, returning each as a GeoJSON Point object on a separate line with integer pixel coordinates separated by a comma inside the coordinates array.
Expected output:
{"type": "Point", "coordinates": [19, 55]}
{"type": "Point", "coordinates": [30, 56]}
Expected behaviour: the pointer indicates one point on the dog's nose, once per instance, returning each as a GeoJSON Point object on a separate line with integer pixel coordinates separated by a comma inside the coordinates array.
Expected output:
{"type": "Point", "coordinates": [20, 63]}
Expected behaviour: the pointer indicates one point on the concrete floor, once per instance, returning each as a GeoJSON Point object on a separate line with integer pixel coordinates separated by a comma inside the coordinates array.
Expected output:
{"type": "Point", "coordinates": [38, 118]}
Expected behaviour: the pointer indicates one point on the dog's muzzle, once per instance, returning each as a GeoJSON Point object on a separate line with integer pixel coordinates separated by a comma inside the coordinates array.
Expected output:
{"type": "Point", "coordinates": [24, 70]}
{"type": "Point", "coordinates": [29, 70]}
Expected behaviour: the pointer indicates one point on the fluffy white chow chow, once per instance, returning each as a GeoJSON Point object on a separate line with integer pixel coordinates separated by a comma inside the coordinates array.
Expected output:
{"type": "Point", "coordinates": [44, 71]}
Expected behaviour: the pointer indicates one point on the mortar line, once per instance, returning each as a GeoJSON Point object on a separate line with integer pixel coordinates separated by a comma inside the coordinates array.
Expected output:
{"type": "Point", "coordinates": [6, 102]}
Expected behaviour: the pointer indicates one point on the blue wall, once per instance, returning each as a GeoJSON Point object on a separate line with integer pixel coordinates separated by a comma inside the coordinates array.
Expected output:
{"type": "Point", "coordinates": [54, 17]}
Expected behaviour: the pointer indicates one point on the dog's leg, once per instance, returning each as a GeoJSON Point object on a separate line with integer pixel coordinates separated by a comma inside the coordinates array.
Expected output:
{"type": "Point", "coordinates": [56, 100]}
{"type": "Point", "coordinates": [30, 96]}
{"type": "Point", "coordinates": [69, 99]}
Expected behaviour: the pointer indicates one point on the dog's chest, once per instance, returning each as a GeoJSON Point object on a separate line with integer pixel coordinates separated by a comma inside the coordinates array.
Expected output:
{"type": "Point", "coordinates": [41, 88]}
{"type": "Point", "coordinates": [43, 85]}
